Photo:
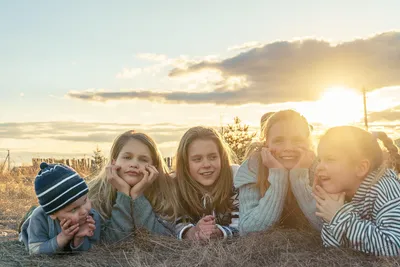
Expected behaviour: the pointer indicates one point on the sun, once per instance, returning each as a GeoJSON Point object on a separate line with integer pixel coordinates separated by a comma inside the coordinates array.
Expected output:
{"type": "Point", "coordinates": [339, 106]}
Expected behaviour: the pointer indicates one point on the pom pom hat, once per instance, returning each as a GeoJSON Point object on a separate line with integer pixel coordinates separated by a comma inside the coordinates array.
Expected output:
{"type": "Point", "coordinates": [57, 186]}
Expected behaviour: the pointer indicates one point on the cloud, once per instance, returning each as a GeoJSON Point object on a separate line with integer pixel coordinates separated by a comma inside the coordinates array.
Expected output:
{"type": "Point", "coordinates": [277, 72]}
{"type": "Point", "coordinates": [87, 132]}
{"type": "Point", "coordinates": [392, 114]}
{"type": "Point", "coordinates": [245, 46]}
{"type": "Point", "coordinates": [300, 70]}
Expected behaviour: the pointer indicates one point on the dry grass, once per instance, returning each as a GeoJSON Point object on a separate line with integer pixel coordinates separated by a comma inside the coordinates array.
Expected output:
{"type": "Point", "coordinates": [275, 248]}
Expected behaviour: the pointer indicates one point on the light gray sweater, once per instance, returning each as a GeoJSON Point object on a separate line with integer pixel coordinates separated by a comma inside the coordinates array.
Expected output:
{"type": "Point", "coordinates": [258, 212]}
{"type": "Point", "coordinates": [128, 215]}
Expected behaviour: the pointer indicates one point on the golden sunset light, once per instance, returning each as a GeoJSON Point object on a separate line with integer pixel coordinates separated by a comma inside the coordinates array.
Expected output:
{"type": "Point", "coordinates": [339, 106]}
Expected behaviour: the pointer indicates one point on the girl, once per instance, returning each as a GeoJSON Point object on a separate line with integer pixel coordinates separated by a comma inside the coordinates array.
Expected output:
{"type": "Point", "coordinates": [205, 181]}
{"type": "Point", "coordinates": [351, 169]}
{"type": "Point", "coordinates": [134, 190]}
{"type": "Point", "coordinates": [280, 161]}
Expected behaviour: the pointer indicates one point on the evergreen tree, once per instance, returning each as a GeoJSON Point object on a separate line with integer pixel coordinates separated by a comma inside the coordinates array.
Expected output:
{"type": "Point", "coordinates": [238, 137]}
{"type": "Point", "coordinates": [98, 160]}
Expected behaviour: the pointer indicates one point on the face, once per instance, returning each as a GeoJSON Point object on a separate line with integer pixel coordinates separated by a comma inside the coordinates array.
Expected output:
{"type": "Point", "coordinates": [336, 171]}
{"type": "Point", "coordinates": [204, 161]}
{"type": "Point", "coordinates": [133, 156]}
{"type": "Point", "coordinates": [284, 138]}
{"type": "Point", "coordinates": [77, 211]}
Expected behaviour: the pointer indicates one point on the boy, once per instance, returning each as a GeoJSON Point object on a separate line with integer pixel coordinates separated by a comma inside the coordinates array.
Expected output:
{"type": "Point", "coordinates": [64, 221]}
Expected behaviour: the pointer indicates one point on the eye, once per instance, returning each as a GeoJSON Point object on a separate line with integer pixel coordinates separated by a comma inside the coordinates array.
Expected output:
{"type": "Point", "coordinates": [277, 140]}
{"type": "Point", "coordinates": [73, 210]}
{"type": "Point", "coordinates": [127, 157]}
{"type": "Point", "coordinates": [213, 157]}
{"type": "Point", "coordinates": [196, 159]}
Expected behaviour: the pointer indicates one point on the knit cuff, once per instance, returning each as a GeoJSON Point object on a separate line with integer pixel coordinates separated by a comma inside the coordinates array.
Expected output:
{"type": "Point", "coordinates": [183, 230]}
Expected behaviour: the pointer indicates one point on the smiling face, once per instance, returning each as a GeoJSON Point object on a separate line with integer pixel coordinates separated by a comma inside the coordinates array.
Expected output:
{"type": "Point", "coordinates": [204, 161]}
{"type": "Point", "coordinates": [77, 211]}
{"type": "Point", "coordinates": [133, 156]}
{"type": "Point", "coordinates": [284, 138]}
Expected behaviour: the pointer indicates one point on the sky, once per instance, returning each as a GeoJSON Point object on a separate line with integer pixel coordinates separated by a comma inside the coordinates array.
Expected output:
{"type": "Point", "coordinates": [75, 74]}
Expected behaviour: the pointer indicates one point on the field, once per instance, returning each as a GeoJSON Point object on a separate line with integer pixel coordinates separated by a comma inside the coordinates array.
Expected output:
{"type": "Point", "coordinates": [274, 248]}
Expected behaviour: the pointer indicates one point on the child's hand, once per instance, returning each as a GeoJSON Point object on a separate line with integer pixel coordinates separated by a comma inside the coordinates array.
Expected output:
{"type": "Point", "coordinates": [207, 229]}
{"type": "Point", "coordinates": [328, 204]}
{"type": "Point", "coordinates": [115, 180]}
{"type": "Point", "coordinates": [87, 229]}
{"type": "Point", "coordinates": [269, 160]}
{"type": "Point", "coordinates": [306, 158]}
{"type": "Point", "coordinates": [150, 174]}
{"type": "Point", "coordinates": [67, 232]}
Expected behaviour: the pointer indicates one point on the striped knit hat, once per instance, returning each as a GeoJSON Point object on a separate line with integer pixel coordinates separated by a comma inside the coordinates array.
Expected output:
{"type": "Point", "coordinates": [57, 185]}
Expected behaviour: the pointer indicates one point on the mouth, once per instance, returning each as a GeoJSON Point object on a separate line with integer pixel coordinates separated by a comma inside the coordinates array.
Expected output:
{"type": "Point", "coordinates": [323, 178]}
{"type": "Point", "coordinates": [207, 174]}
{"type": "Point", "coordinates": [289, 157]}
{"type": "Point", "coordinates": [133, 173]}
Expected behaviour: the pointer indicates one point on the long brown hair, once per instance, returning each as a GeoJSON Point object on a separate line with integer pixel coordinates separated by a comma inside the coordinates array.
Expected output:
{"type": "Point", "coordinates": [191, 192]}
{"type": "Point", "coordinates": [253, 152]}
{"type": "Point", "coordinates": [161, 194]}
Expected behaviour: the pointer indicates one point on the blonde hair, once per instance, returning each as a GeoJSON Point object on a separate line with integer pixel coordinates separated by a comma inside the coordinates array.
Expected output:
{"type": "Point", "coordinates": [358, 143]}
{"type": "Point", "coordinates": [190, 191]}
{"type": "Point", "coordinates": [161, 194]}
{"type": "Point", "coordinates": [253, 151]}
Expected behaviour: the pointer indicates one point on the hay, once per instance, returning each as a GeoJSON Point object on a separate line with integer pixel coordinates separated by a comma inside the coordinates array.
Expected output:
{"type": "Point", "coordinates": [275, 248]}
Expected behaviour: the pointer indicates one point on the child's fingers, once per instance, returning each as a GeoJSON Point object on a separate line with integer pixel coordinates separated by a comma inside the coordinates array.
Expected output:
{"type": "Point", "coordinates": [320, 214]}
{"type": "Point", "coordinates": [73, 232]}
{"type": "Point", "coordinates": [208, 218]}
{"type": "Point", "coordinates": [321, 192]}
{"type": "Point", "coordinates": [66, 224]}
{"type": "Point", "coordinates": [342, 197]}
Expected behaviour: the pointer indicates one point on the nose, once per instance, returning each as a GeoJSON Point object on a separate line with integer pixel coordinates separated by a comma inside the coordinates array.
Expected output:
{"type": "Point", "coordinates": [134, 163]}
{"type": "Point", "coordinates": [288, 145]}
{"type": "Point", "coordinates": [320, 166]}
{"type": "Point", "coordinates": [206, 163]}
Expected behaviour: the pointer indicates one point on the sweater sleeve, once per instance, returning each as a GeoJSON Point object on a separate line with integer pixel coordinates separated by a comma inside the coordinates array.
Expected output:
{"type": "Point", "coordinates": [120, 224]}
{"type": "Point", "coordinates": [39, 241]}
{"type": "Point", "coordinates": [300, 184]}
{"type": "Point", "coordinates": [380, 237]}
{"type": "Point", "coordinates": [257, 213]}
{"type": "Point", "coordinates": [145, 217]}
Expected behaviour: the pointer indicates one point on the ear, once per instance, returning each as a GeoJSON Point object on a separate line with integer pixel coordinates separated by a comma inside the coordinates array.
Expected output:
{"type": "Point", "coordinates": [363, 168]}
{"type": "Point", "coordinates": [53, 216]}
{"type": "Point", "coordinates": [113, 161]}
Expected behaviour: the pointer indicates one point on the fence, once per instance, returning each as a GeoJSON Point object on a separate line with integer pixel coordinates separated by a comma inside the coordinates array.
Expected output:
{"type": "Point", "coordinates": [82, 163]}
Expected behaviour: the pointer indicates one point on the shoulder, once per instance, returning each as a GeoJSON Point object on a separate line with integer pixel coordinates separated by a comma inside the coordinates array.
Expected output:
{"type": "Point", "coordinates": [234, 168]}
{"type": "Point", "coordinates": [388, 186]}
{"type": "Point", "coordinates": [39, 214]}
{"type": "Point", "coordinates": [244, 175]}
{"type": "Point", "coordinates": [39, 219]}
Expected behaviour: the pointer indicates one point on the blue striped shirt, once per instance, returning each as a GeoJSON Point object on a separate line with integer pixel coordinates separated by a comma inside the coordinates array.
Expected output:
{"type": "Point", "coordinates": [370, 223]}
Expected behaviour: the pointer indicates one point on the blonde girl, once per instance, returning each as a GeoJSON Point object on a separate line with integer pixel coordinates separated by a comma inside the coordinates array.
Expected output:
{"type": "Point", "coordinates": [134, 190]}
{"type": "Point", "coordinates": [204, 174]}
{"type": "Point", "coordinates": [357, 195]}
{"type": "Point", "coordinates": [275, 182]}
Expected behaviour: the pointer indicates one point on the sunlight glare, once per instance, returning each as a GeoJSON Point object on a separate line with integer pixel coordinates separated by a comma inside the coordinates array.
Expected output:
{"type": "Point", "coordinates": [339, 106]}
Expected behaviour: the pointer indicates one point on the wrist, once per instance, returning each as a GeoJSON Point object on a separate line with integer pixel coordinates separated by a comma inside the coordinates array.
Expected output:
{"type": "Point", "coordinates": [189, 232]}
{"type": "Point", "coordinates": [135, 195]}
{"type": "Point", "coordinates": [77, 241]}
{"type": "Point", "coordinates": [63, 239]}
